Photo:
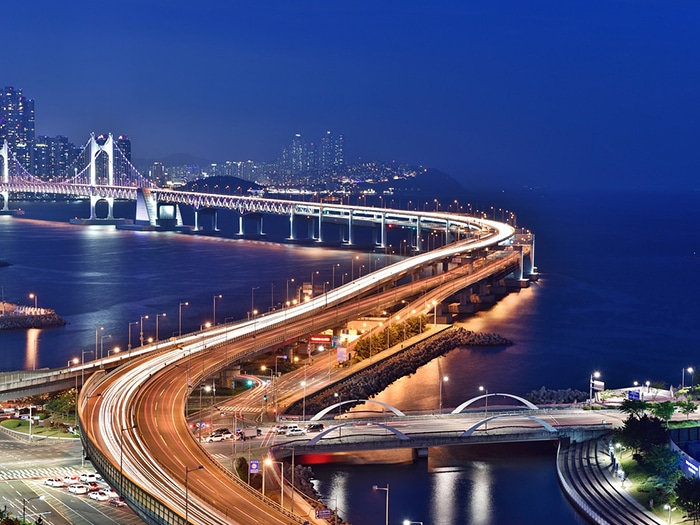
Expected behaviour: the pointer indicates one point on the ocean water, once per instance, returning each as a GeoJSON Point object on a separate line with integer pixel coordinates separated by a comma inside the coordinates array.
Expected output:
{"type": "Point", "coordinates": [617, 293]}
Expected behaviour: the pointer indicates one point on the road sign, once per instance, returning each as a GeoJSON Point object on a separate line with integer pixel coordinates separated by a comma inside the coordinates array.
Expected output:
{"type": "Point", "coordinates": [634, 394]}
{"type": "Point", "coordinates": [598, 386]}
{"type": "Point", "coordinates": [323, 514]}
{"type": "Point", "coordinates": [320, 339]}
{"type": "Point", "coordinates": [254, 466]}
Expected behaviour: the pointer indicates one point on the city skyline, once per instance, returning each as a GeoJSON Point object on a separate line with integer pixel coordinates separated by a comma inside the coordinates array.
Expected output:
{"type": "Point", "coordinates": [595, 94]}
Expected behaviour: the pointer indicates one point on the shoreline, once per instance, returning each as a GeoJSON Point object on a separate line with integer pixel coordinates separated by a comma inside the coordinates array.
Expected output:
{"type": "Point", "coordinates": [17, 317]}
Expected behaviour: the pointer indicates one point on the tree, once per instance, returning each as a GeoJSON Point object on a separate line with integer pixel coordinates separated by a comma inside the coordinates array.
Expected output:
{"type": "Point", "coordinates": [688, 492]}
{"type": "Point", "coordinates": [643, 433]}
{"type": "Point", "coordinates": [664, 462]}
{"type": "Point", "coordinates": [663, 410]}
{"type": "Point", "coordinates": [686, 407]}
{"type": "Point", "coordinates": [634, 407]}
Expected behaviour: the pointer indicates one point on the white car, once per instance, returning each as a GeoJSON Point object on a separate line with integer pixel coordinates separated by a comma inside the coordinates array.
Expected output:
{"type": "Point", "coordinates": [70, 480]}
{"type": "Point", "coordinates": [54, 482]}
{"type": "Point", "coordinates": [214, 437]}
{"type": "Point", "coordinates": [90, 477]}
{"type": "Point", "coordinates": [78, 488]}
{"type": "Point", "coordinates": [296, 431]}
{"type": "Point", "coordinates": [99, 495]}
{"type": "Point", "coordinates": [111, 492]}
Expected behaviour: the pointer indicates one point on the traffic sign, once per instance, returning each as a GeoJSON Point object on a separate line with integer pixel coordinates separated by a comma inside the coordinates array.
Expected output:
{"type": "Point", "coordinates": [321, 338]}
{"type": "Point", "coordinates": [633, 394]}
{"type": "Point", "coordinates": [323, 514]}
{"type": "Point", "coordinates": [254, 466]}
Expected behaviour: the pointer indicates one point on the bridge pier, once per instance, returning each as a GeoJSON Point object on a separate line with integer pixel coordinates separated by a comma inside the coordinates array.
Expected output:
{"type": "Point", "coordinates": [257, 219]}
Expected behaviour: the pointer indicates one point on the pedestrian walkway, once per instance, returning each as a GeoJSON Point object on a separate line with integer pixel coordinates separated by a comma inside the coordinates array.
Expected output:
{"type": "Point", "coordinates": [586, 474]}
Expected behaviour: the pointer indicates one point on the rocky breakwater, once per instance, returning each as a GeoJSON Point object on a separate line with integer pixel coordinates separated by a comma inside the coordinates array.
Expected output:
{"type": "Point", "coordinates": [375, 378]}
{"type": "Point", "coordinates": [15, 317]}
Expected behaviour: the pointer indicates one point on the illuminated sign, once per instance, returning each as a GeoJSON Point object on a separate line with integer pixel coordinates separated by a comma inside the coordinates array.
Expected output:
{"type": "Point", "coordinates": [320, 339]}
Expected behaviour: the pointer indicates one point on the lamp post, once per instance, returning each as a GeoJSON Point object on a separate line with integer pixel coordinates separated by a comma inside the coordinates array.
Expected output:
{"type": "Point", "coordinates": [303, 403]}
{"type": "Point", "coordinates": [33, 296]}
{"type": "Point", "coordinates": [82, 372]}
{"type": "Point", "coordinates": [252, 299]}
{"type": "Point", "coordinates": [669, 509]}
{"type": "Point", "coordinates": [594, 375]}
{"type": "Point", "coordinates": [267, 463]}
{"type": "Point", "coordinates": [24, 506]}
{"type": "Point", "coordinates": [187, 473]}
{"type": "Point", "coordinates": [129, 346]}
{"type": "Point", "coordinates": [336, 265]}
{"type": "Point", "coordinates": [121, 456]}
{"type": "Point", "coordinates": [288, 281]}
{"type": "Point", "coordinates": [312, 282]}
{"type": "Point", "coordinates": [690, 371]}
{"type": "Point", "coordinates": [141, 332]}
{"type": "Point", "coordinates": [97, 330]}
{"type": "Point", "coordinates": [434, 312]}
{"type": "Point", "coordinates": [352, 267]}
{"type": "Point", "coordinates": [482, 389]}
{"type": "Point", "coordinates": [214, 313]}
{"type": "Point", "coordinates": [179, 321]}
{"type": "Point", "coordinates": [444, 379]}
{"type": "Point", "coordinates": [386, 505]}
{"type": "Point", "coordinates": [102, 345]}
{"type": "Point", "coordinates": [157, 316]}
{"type": "Point", "coordinates": [409, 522]}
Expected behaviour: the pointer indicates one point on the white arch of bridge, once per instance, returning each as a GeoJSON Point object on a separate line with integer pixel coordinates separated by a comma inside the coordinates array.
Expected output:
{"type": "Point", "coordinates": [318, 437]}
{"type": "Point", "coordinates": [477, 398]}
{"type": "Point", "coordinates": [328, 409]}
{"type": "Point", "coordinates": [470, 430]}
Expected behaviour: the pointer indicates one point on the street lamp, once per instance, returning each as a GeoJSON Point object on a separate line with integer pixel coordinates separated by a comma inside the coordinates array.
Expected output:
{"type": "Point", "coordinates": [187, 473]}
{"type": "Point", "coordinates": [24, 506]}
{"type": "Point", "coordinates": [303, 404]}
{"type": "Point", "coordinates": [312, 283]}
{"type": "Point", "coordinates": [179, 322]}
{"type": "Point", "coordinates": [288, 281]}
{"type": "Point", "coordinates": [669, 509]}
{"type": "Point", "coordinates": [214, 316]}
{"type": "Point", "coordinates": [33, 296]}
{"type": "Point", "coordinates": [352, 267]}
{"type": "Point", "coordinates": [409, 522]}
{"type": "Point", "coordinates": [482, 389]}
{"type": "Point", "coordinates": [594, 375]}
{"type": "Point", "coordinates": [157, 316]}
{"type": "Point", "coordinates": [252, 298]}
{"type": "Point", "coordinates": [267, 463]}
{"type": "Point", "coordinates": [121, 456]}
{"type": "Point", "coordinates": [690, 371]}
{"type": "Point", "coordinates": [97, 330]}
{"type": "Point", "coordinates": [444, 379]}
{"type": "Point", "coordinates": [386, 506]}
{"type": "Point", "coordinates": [336, 265]}
{"type": "Point", "coordinates": [434, 312]}
{"type": "Point", "coordinates": [129, 346]}
{"type": "Point", "coordinates": [141, 333]}
{"type": "Point", "coordinates": [102, 345]}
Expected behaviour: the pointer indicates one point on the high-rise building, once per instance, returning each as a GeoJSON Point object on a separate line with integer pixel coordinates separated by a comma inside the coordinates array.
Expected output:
{"type": "Point", "coordinates": [332, 151]}
{"type": "Point", "coordinates": [297, 154]}
{"type": "Point", "coordinates": [52, 156]}
{"type": "Point", "coordinates": [17, 124]}
{"type": "Point", "coordinates": [122, 158]}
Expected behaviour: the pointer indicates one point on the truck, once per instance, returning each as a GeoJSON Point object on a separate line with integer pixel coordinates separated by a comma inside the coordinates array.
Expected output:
{"type": "Point", "coordinates": [247, 433]}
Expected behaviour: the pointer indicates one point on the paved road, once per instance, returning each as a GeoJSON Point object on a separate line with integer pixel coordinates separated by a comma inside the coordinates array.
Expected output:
{"type": "Point", "coordinates": [25, 466]}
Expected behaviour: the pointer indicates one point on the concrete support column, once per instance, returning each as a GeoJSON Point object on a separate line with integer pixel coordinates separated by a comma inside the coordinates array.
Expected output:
{"type": "Point", "coordinates": [383, 231]}
{"type": "Point", "coordinates": [291, 224]}
{"type": "Point", "coordinates": [418, 234]}
{"type": "Point", "coordinates": [6, 200]}
{"type": "Point", "coordinates": [350, 241]}
{"type": "Point", "coordinates": [320, 224]}
{"type": "Point", "coordinates": [240, 225]}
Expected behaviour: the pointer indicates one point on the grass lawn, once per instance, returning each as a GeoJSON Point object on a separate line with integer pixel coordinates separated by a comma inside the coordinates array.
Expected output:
{"type": "Point", "coordinates": [634, 485]}
{"type": "Point", "coordinates": [22, 425]}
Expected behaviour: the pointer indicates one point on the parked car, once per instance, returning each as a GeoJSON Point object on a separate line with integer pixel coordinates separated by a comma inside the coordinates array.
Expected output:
{"type": "Point", "coordinates": [90, 476]}
{"type": "Point", "coordinates": [296, 431]}
{"type": "Point", "coordinates": [99, 495]}
{"type": "Point", "coordinates": [314, 427]}
{"type": "Point", "coordinates": [54, 482]}
{"type": "Point", "coordinates": [78, 488]}
{"type": "Point", "coordinates": [111, 492]}
{"type": "Point", "coordinates": [117, 502]}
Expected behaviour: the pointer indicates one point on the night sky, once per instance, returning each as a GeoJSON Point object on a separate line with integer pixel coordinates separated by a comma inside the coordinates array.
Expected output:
{"type": "Point", "coordinates": [507, 93]}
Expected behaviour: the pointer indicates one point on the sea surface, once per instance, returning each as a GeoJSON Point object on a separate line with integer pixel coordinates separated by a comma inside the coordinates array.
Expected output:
{"type": "Point", "coordinates": [618, 293]}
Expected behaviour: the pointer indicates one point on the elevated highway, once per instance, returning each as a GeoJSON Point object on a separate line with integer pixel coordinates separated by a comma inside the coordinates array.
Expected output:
{"type": "Point", "coordinates": [133, 418]}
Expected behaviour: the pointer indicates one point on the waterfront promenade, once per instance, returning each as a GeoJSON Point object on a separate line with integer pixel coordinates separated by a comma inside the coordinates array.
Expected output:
{"type": "Point", "coordinates": [587, 477]}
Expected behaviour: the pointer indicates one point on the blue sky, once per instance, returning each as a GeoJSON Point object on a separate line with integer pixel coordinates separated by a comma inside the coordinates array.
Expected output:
{"type": "Point", "coordinates": [496, 93]}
